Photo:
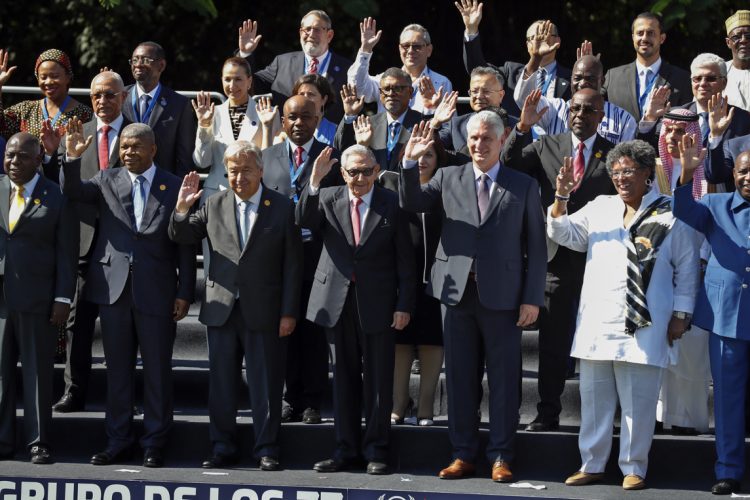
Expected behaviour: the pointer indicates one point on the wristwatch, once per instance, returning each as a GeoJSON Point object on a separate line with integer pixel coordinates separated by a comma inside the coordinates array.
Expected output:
{"type": "Point", "coordinates": [682, 315]}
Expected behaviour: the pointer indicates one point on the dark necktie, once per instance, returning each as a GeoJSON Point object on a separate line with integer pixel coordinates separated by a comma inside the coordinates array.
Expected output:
{"type": "Point", "coordinates": [579, 163]}
{"type": "Point", "coordinates": [394, 131]}
{"type": "Point", "coordinates": [104, 148]}
{"type": "Point", "coordinates": [483, 196]}
{"type": "Point", "coordinates": [298, 157]}
{"type": "Point", "coordinates": [705, 128]}
{"type": "Point", "coordinates": [313, 69]}
{"type": "Point", "coordinates": [145, 99]}
{"type": "Point", "coordinates": [139, 200]}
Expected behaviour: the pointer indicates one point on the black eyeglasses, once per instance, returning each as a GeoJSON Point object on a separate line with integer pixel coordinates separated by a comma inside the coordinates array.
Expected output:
{"type": "Point", "coordinates": [142, 60]}
{"type": "Point", "coordinates": [583, 110]}
{"type": "Point", "coordinates": [354, 172]}
{"type": "Point", "coordinates": [312, 29]}
{"type": "Point", "coordinates": [394, 89]}
{"type": "Point", "coordinates": [745, 35]}
{"type": "Point", "coordinates": [416, 47]}
{"type": "Point", "coordinates": [107, 96]}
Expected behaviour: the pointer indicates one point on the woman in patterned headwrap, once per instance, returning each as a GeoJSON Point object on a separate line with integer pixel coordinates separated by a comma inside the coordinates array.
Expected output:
{"type": "Point", "coordinates": [54, 74]}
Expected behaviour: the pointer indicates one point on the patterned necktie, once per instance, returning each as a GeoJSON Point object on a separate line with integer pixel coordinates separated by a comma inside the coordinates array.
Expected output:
{"type": "Point", "coordinates": [643, 97]}
{"type": "Point", "coordinates": [483, 196]}
{"type": "Point", "coordinates": [245, 222]}
{"type": "Point", "coordinates": [145, 99]}
{"type": "Point", "coordinates": [579, 163]}
{"type": "Point", "coordinates": [356, 222]}
{"type": "Point", "coordinates": [541, 76]}
{"type": "Point", "coordinates": [298, 157]}
{"type": "Point", "coordinates": [17, 206]}
{"type": "Point", "coordinates": [313, 69]}
{"type": "Point", "coordinates": [139, 199]}
{"type": "Point", "coordinates": [104, 148]}
{"type": "Point", "coordinates": [394, 131]}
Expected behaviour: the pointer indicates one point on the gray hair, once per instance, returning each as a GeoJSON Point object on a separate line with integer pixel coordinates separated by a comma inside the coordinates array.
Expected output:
{"type": "Point", "coordinates": [395, 73]}
{"type": "Point", "coordinates": [110, 75]}
{"type": "Point", "coordinates": [419, 29]}
{"type": "Point", "coordinates": [320, 14]}
{"type": "Point", "coordinates": [708, 59]}
{"type": "Point", "coordinates": [641, 152]}
{"type": "Point", "coordinates": [488, 71]}
{"type": "Point", "coordinates": [239, 149]}
{"type": "Point", "coordinates": [357, 150]}
{"type": "Point", "coordinates": [489, 118]}
{"type": "Point", "coordinates": [139, 131]}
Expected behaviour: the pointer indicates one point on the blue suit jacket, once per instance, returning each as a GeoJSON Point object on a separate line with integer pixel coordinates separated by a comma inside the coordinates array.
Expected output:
{"type": "Point", "coordinates": [723, 305]}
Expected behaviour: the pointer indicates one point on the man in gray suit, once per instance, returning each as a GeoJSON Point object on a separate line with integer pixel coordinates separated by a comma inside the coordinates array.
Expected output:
{"type": "Point", "coordinates": [365, 287]}
{"type": "Point", "coordinates": [252, 297]}
{"type": "Point", "coordinates": [38, 251]}
{"type": "Point", "coordinates": [489, 274]}
{"type": "Point", "coordinates": [107, 98]}
{"type": "Point", "coordinates": [133, 278]}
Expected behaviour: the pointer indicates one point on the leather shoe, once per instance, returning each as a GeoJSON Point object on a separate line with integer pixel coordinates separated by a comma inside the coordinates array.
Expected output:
{"type": "Point", "coordinates": [457, 469]}
{"type": "Point", "coordinates": [108, 457]}
{"type": "Point", "coordinates": [726, 487]}
{"type": "Point", "coordinates": [336, 465]}
{"type": "Point", "coordinates": [40, 455]}
{"type": "Point", "coordinates": [219, 461]}
{"type": "Point", "coordinates": [633, 482]}
{"type": "Point", "coordinates": [311, 416]}
{"type": "Point", "coordinates": [289, 415]}
{"type": "Point", "coordinates": [377, 468]}
{"type": "Point", "coordinates": [269, 463]}
{"type": "Point", "coordinates": [581, 478]}
{"type": "Point", "coordinates": [152, 457]}
{"type": "Point", "coordinates": [501, 472]}
{"type": "Point", "coordinates": [540, 426]}
{"type": "Point", "coordinates": [67, 404]}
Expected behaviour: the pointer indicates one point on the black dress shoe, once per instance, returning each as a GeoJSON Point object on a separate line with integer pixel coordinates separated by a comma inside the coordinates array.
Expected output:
{"type": "Point", "coordinates": [152, 457]}
{"type": "Point", "coordinates": [377, 468]}
{"type": "Point", "coordinates": [289, 415]}
{"type": "Point", "coordinates": [40, 455]}
{"type": "Point", "coordinates": [219, 461]}
{"type": "Point", "coordinates": [108, 457]}
{"type": "Point", "coordinates": [311, 416]}
{"type": "Point", "coordinates": [67, 404]}
{"type": "Point", "coordinates": [269, 463]}
{"type": "Point", "coordinates": [726, 487]}
{"type": "Point", "coordinates": [337, 464]}
{"type": "Point", "coordinates": [539, 426]}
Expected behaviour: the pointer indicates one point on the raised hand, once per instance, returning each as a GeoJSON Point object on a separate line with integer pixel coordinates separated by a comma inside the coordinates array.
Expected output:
{"type": "Point", "coordinates": [430, 98]}
{"type": "Point", "coordinates": [369, 36]}
{"type": "Point", "coordinates": [586, 49]}
{"type": "Point", "coordinates": [445, 110]}
{"type": "Point", "coordinates": [419, 142]}
{"type": "Point", "coordinates": [363, 130]}
{"type": "Point", "coordinates": [51, 136]}
{"type": "Point", "coordinates": [247, 39]}
{"type": "Point", "coordinates": [104, 69]}
{"type": "Point", "coordinates": [75, 143]}
{"type": "Point", "coordinates": [471, 14]}
{"type": "Point", "coordinates": [529, 114]}
{"type": "Point", "coordinates": [5, 71]}
{"type": "Point", "coordinates": [658, 104]}
{"type": "Point", "coordinates": [321, 167]}
{"type": "Point", "coordinates": [566, 180]}
{"type": "Point", "coordinates": [204, 109]}
{"type": "Point", "coordinates": [539, 45]}
{"type": "Point", "coordinates": [189, 193]}
{"type": "Point", "coordinates": [719, 114]}
{"type": "Point", "coordinates": [692, 156]}
{"type": "Point", "coordinates": [352, 104]}
{"type": "Point", "coordinates": [266, 112]}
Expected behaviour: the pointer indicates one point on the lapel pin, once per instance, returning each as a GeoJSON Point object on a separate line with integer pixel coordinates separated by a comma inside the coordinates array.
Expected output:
{"type": "Point", "coordinates": [267, 203]}
{"type": "Point", "coordinates": [598, 154]}
{"type": "Point", "coordinates": [162, 187]}
{"type": "Point", "coordinates": [336, 68]}
{"type": "Point", "coordinates": [37, 201]}
{"type": "Point", "coordinates": [163, 102]}
{"type": "Point", "coordinates": [253, 123]}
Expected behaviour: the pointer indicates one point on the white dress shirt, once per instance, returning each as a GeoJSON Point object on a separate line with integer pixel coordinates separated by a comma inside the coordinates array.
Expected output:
{"type": "Point", "coordinates": [114, 132]}
{"type": "Point", "coordinates": [643, 81]}
{"type": "Point", "coordinates": [253, 214]}
{"type": "Point", "coordinates": [364, 207]}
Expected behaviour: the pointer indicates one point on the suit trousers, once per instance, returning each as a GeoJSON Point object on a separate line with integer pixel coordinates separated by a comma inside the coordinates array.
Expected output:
{"type": "Point", "coordinates": [30, 338]}
{"type": "Point", "coordinates": [125, 329]}
{"type": "Point", "coordinates": [636, 388]}
{"type": "Point", "coordinates": [265, 357]}
{"type": "Point", "coordinates": [362, 376]}
{"type": "Point", "coordinates": [729, 368]}
{"type": "Point", "coordinates": [467, 328]}
{"type": "Point", "coordinates": [79, 334]}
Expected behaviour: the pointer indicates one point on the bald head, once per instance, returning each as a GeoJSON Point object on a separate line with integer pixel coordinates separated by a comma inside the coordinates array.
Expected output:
{"type": "Point", "coordinates": [300, 119]}
{"type": "Point", "coordinates": [108, 77]}
{"type": "Point", "coordinates": [23, 156]}
{"type": "Point", "coordinates": [588, 73]}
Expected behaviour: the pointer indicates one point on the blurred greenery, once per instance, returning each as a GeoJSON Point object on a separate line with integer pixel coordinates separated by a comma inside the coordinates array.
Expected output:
{"type": "Point", "coordinates": [199, 34]}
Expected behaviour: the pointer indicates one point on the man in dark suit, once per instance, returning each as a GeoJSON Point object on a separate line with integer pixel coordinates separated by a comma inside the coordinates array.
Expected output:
{"type": "Point", "coordinates": [390, 129]}
{"type": "Point", "coordinates": [315, 33]}
{"type": "Point", "coordinates": [365, 287]}
{"type": "Point", "coordinates": [252, 297]}
{"type": "Point", "coordinates": [107, 98]}
{"type": "Point", "coordinates": [38, 250]}
{"type": "Point", "coordinates": [554, 81]}
{"type": "Point", "coordinates": [489, 276]}
{"type": "Point", "coordinates": [286, 169]}
{"type": "Point", "coordinates": [542, 160]}
{"type": "Point", "coordinates": [169, 114]}
{"type": "Point", "coordinates": [631, 85]}
{"type": "Point", "coordinates": [133, 278]}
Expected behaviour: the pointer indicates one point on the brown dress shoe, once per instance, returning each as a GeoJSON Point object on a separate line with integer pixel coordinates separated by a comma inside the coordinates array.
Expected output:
{"type": "Point", "coordinates": [633, 482]}
{"type": "Point", "coordinates": [581, 478]}
{"type": "Point", "coordinates": [457, 469]}
{"type": "Point", "coordinates": [501, 472]}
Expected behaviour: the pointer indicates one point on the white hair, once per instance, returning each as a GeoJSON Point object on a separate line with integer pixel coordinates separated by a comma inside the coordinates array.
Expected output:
{"type": "Point", "coordinates": [238, 149]}
{"type": "Point", "coordinates": [708, 59]}
{"type": "Point", "coordinates": [489, 118]}
{"type": "Point", "coordinates": [357, 150]}
{"type": "Point", "coordinates": [109, 75]}
{"type": "Point", "coordinates": [419, 29]}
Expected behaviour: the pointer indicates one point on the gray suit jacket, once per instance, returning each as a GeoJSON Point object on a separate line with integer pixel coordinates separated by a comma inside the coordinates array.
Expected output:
{"type": "Point", "coordinates": [267, 272]}
{"type": "Point", "coordinates": [154, 258]}
{"type": "Point", "coordinates": [276, 164]}
{"type": "Point", "coordinates": [508, 245]}
{"type": "Point", "coordinates": [39, 258]}
{"type": "Point", "coordinates": [383, 263]}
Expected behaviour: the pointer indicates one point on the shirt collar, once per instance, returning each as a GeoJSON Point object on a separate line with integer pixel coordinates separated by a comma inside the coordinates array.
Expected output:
{"type": "Point", "coordinates": [367, 198]}
{"type": "Point", "coordinates": [148, 174]}
{"type": "Point", "coordinates": [115, 125]}
{"type": "Point", "coordinates": [492, 173]}
{"type": "Point", "coordinates": [738, 202]}
{"type": "Point", "coordinates": [654, 67]}
{"type": "Point", "coordinates": [142, 92]}
{"type": "Point", "coordinates": [306, 146]}
{"type": "Point", "coordinates": [551, 67]}
{"type": "Point", "coordinates": [320, 59]}
{"type": "Point", "coordinates": [254, 199]}
{"type": "Point", "coordinates": [28, 188]}
{"type": "Point", "coordinates": [588, 143]}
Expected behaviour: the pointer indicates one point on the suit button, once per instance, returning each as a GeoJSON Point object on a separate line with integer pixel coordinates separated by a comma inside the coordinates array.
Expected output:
{"type": "Point", "coordinates": [744, 285]}
{"type": "Point", "coordinates": [747, 269]}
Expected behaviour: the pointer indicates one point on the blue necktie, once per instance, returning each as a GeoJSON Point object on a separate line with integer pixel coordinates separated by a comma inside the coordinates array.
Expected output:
{"type": "Point", "coordinates": [139, 199]}
{"type": "Point", "coordinates": [394, 130]}
{"type": "Point", "coordinates": [244, 222]}
{"type": "Point", "coordinates": [145, 99]}
{"type": "Point", "coordinates": [705, 128]}
{"type": "Point", "coordinates": [541, 76]}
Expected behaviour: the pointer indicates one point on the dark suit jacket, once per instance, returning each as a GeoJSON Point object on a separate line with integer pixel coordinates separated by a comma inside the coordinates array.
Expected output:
{"type": "Point", "coordinates": [508, 245]}
{"type": "Point", "coordinates": [38, 260]}
{"type": "Point", "coordinates": [345, 137]}
{"type": "Point", "coordinates": [620, 86]}
{"type": "Point", "coordinates": [735, 140]}
{"type": "Point", "coordinates": [512, 71]}
{"type": "Point", "coordinates": [267, 272]}
{"type": "Point", "coordinates": [279, 78]}
{"type": "Point", "coordinates": [174, 124]}
{"type": "Point", "coordinates": [383, 262]}
{"type": "Point", "coordinates": [155, 259]}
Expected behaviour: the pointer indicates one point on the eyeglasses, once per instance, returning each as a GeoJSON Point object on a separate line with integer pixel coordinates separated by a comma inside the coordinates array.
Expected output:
{"type": "Point", "coordinates": [394, 89]}
{"type": "Point", "coordinates": [745, 35]}
{"type": "Point", "coordinates": [416, 47]}
{"type": "Point", "coordinates": [107, 96]}
{"type": "Point", "coordinates": [354, 172]}
{"type": "Point", "coordinates": [148, 61]}
{"type": "Point", "coordinates": [625, 173]}
{"type": "Point", "coordinates": [312, 29]}
{"type": "Point", "coordinates": [705, 78]}
{"type": "Point", "coordinates": [583, 110]}
{"type": "Point", "coordinates": [479, 91]}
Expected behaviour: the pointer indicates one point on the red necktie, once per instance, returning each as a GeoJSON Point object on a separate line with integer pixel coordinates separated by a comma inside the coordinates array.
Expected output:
{"type": "Point", "coordinates": [313, 66]}
{"type": "Point", "coordinates": [579, 163]}
{"type": "Point", "coordinates": [298, 157]}
{"type": "Point", "coordinates": [355, 220]}
{"type": "Point", "coordinates": [104, 148]}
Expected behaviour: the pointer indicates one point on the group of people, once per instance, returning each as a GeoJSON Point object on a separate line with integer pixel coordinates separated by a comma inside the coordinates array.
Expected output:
{"type": "Point", "coordinates": [609, 208]}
